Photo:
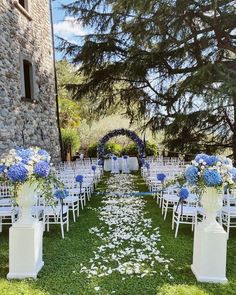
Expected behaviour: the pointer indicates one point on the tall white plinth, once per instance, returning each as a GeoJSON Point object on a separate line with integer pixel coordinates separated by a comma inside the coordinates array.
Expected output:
{"type": "Point", "coordinates": [25, 250]}
{"type": "Point", "coordinates": [209, 253]}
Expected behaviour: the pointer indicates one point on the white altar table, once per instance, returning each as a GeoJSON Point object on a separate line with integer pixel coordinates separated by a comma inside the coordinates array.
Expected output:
{"type": "Point", "coordinates": [132, 164]}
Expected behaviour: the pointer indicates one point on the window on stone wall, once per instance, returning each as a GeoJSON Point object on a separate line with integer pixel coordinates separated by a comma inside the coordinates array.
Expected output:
{"type": "Point", "coordinates": [24, 4]}
{"type": "Point", "coordinates": [28, 87]}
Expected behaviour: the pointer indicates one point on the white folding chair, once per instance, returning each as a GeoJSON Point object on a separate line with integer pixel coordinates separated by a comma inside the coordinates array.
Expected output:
{"type": "Point", "coordinates": [57, 214]}
{"type": "Point", "coordinates": [228, 211]}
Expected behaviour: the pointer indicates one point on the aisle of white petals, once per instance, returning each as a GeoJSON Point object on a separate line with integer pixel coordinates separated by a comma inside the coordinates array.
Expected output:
{"type": "Point", "coordinates": [131, 246]}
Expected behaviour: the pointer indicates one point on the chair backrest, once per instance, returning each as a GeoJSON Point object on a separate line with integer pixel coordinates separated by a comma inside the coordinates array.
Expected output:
{"type": "Point", "coordinates": [6, 190]}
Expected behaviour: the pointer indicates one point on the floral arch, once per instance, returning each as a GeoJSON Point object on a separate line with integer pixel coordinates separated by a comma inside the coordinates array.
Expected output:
{"type": "Point", "coordinates": [131, 134]}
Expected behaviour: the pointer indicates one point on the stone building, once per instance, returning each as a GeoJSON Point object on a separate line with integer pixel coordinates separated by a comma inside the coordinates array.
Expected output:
{"type": "Point", "coordinates": [28, 114]}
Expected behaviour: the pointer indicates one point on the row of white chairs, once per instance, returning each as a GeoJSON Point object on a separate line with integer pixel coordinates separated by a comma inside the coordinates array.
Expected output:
{"type": "Point", "coordinates": [58, 213]}
{"type": "Point", "coordinates": [191, 211]}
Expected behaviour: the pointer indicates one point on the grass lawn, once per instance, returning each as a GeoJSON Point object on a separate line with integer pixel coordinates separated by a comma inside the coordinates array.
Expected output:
{"type": "Point", "coordinates": [62, 258]}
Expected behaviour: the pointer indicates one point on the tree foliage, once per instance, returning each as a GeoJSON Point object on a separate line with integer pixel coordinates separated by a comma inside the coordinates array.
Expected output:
{"type": "Point", "coordinates": [70, 141]}
{"type": "Point", "coordinates": [166, 61]}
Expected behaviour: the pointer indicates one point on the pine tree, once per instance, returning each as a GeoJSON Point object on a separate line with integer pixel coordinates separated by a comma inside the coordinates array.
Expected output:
{"type": "Point", "coordinates": [165, 61]}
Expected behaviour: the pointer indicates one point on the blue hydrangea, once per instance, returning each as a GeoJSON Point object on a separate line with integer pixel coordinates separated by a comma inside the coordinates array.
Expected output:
{"type": "Point", "coordinates": [17, 172]}
{"type": "Point", "coordinates": [183, 193]}
{"type": "Point", "coordinates": [79, 178]}
{"type": "Point", "coordinates": [191, 175]}
{"type": "Point", "coordinates": [161, 177]}
{"type": "Point", "coordinates": [212, 178]}
{"type": "Point", "coordinates": [94, 167]}
{"type": "Point", "coordinates": [44, 154]}
{"type": "Point", "coordinates": [100, 162]}
{"type": "Point", "coordinates": [125, 157]}
{"type": "Point", "coordinates": [2, 167]}
{"type": "Point", "coordinates": [25, 154]}
{"type": "Point", "coordinates": [211, 160]}
{"type": "Point", "coordinates": [147, 165]}
{"type": "Point", "coordinates": [233, 173]}
{"type": "Point", "coordinates": [202, 157]}
{"type": "Point", "coordinates": [114, 158]}
{"type": "Point", "coordinates": [61, 194]}
{"type": "Point", "coordinates": [42, 169]}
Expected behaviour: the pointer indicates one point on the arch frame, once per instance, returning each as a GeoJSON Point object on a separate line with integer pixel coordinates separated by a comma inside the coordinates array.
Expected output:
{"type": "Point", "coordinates": [117, 132]}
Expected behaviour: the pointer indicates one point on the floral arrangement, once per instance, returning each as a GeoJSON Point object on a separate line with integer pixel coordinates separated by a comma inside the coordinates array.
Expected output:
{"type": "Point", "coordinates": [31, 164]}
{"type": "Point", "coordinates": [79, 178]}
{"type": "Point", "coordinates": [161, 177]}
{"type": "Point", "coordinates": [131, 134]}
{"type": "Point", "coordinates": [183, 193]}
{"type": "Point", "coordinates": [210, 171]}
{"type": "Point", "coordinates": [61, 194]}
{"type": "Point", "coordinates": [94, 168]}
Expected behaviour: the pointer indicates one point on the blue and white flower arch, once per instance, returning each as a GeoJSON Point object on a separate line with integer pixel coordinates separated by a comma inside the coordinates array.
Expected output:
{"type": "Point", "coordinates": [116, 132]}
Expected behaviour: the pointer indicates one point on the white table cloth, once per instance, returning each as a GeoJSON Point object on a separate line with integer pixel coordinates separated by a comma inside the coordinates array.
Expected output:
{"type": "Point", "coordinates": [132, 164]}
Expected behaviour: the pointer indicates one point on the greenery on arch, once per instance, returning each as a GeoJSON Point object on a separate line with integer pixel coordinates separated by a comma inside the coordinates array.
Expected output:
{"type": "Point", "coordinates": [131, 134]}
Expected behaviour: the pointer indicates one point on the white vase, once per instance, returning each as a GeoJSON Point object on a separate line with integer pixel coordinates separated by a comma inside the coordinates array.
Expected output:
{"type": "Point", "coordinates": [210, 242]}
{"type": "Point", "coordinates": [26, 198]}
{"type": "Point", "coordinates": [211, 201]}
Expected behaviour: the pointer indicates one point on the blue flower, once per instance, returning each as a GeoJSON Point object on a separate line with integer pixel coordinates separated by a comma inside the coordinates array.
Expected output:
{"type": "Point", "coordinates": [233, 173]}
{"type": "Point", "coordinates": [202, 157]}
{"type": "Point", "coordinates": [212, 178]}
{"type": "Point", "coordinates": [79, 178]}
{"type": "Point", "coordinates": [100, 162]}
{"type": "Point", "coordinates": [191, 174]}
{"type": "Point", "coordinates": [114, 158]}
{"type": "Point", "coordinates": [125, 157]}
{"type": "Point", "coordinates": [42, 169]}
{"type": "Point", "coordinates": [25, 154]}
{"type": "Point", "coordinates": [17, 172]}
{"type": "Point", "coordinates": [183, 193]}
{"type": "Point", "coordinates": [2, 167]}
{"type": "Point", "coordinates": [61, 194]}
{"type": "Point", "coordinates": [161, 177]}
{"type": "Point", "coordinates": [211, 160]}
{"type": "Point", "coordinates": [147, 165]}
{"type": "Point", "coordinates": [44, 154]}
{"type": "Point", "coordinates": [94, 167]}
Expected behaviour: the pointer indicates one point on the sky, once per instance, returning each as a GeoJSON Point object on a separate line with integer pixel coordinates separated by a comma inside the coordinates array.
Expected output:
{"type": "Point", "coordinates": [64, 26]}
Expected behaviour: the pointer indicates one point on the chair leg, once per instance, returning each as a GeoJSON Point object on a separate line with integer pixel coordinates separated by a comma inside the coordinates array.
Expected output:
{"type": "Point", "coordinates": [177, 226]}
{"type": "Point", "coordinates": [67, 222]}
{"type": "Point", "coordinates": [62, 231]}
{"type": "Point", "coordinates": [173, 218]}
{"type": "Point", "coordinates": [166, 209]}
{"type": "Point", "coordinates": [73, 212]}
{"type": "Point", "coordinates": [81, 202]}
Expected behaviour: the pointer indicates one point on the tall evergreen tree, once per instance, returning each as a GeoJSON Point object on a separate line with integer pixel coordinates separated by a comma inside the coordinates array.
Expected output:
{"type": "Point", "coordinates": [171, 62]}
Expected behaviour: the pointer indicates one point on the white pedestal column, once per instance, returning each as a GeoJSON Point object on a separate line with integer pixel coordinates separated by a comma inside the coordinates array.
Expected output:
{"type": "Point", "coordinates": [25, 250]}
{"type": "Point", "coordinates": [210, 242]}
{"type": "Point", "coordinates": [209, 254]}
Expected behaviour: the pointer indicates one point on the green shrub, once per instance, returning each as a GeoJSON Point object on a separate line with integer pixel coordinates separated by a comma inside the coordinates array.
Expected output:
{"type": "Point", "coordinates": [151, 149]}
{"type": "Point", "coordinates": [132, 149]}
{"type": "Point", "coordinates": [70, 140]}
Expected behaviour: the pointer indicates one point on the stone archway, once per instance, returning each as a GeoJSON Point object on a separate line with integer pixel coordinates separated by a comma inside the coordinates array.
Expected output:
{"type": "Point", "coordinates": [131, 134]}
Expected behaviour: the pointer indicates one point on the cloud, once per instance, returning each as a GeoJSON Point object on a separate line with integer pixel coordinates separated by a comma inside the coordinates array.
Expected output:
{"type": "Point", "coordinates": [68, 28]}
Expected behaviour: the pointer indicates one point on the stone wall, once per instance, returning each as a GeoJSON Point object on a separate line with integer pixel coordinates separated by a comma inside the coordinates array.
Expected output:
{"type": "Point", "coordinates": [27, 123]}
